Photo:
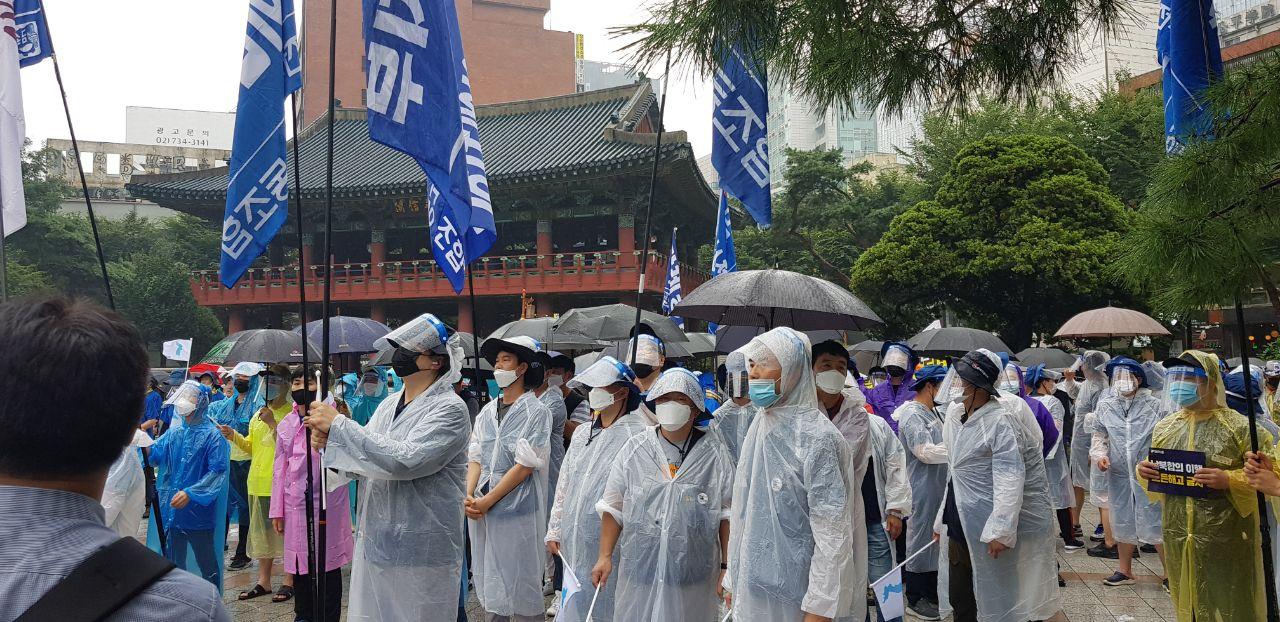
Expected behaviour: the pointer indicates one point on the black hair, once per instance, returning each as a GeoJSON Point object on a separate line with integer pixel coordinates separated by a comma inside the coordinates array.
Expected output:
{"type": "Point", "coordinates": [561, 361]}
{"type": "Point", "coordinates": [830, 347]}
{"type": "Point", "coordinates": [310, 373]}
{"type": "Point", "coordinates": [722, 377]}
{"type": "Point", "coordinates": [56, 354]}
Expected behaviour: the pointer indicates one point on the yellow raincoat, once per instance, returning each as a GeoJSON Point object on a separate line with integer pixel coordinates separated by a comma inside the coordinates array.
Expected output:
{"type": "Point", "coordinates": [260, 445]}
{"type": "Point", "coordinates": [1212, 546]}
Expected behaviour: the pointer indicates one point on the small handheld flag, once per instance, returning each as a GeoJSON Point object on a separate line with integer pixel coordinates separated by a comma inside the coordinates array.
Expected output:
{"type": "Point", "coordinates": [177, 350]}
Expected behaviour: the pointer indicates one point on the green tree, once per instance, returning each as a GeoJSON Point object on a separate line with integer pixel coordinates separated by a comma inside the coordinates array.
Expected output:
{"type": "Point", "coordinates": [154, 292]}
{"type": "Point", "coordinates": [881, 52]}
{"type": "Point", "coordinates": [1209, 229]}
{"type": "Point", "coordinates": [1016, 241]}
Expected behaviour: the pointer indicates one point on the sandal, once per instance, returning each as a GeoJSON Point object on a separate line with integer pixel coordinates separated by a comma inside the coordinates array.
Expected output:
{"type": "Point", "coordinates": [283, 594]}
{"type": "Point", "coordinates": [257, 591]}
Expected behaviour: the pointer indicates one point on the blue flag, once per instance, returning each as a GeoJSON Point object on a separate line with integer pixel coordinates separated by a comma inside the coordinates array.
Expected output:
{"type": "Point", "coordinates": [258, 189]}
{"type": "Point", "coordinates": [671, 293]}
{"type": "Point", "coordinates": [34, 44]}
{"type": "Point", "coordinates": [740, 142]}
{"type": "Point", "coordinates": [1188, 51]}
{"type": "Point", "coordinates": [419, 101]}
{"type": "Point", "coordinates": [724, 258]}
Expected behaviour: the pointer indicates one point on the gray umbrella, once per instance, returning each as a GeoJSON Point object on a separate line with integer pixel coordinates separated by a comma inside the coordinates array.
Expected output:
{"type": "Point", "coordinates": [869, 345]}
{"type": "Point", "coordinates": [955, 341]}
{"type": "Point", "coordinates": [262, 345]}
{"type": "Point", "coordinates": [698, 345]}
{"type": "Point", "coordinates": [1052, 358]}
{"type": "Point", "coordinates": [772, 298]}
{"type": "Point", "coordinates": [730, 338]}
{"type": "Point", "coordinates": [1255, 363]}
{"type": "Point", "coordinates": [614, 323]}
{"type": "Point", "coordinates": [540, 328]}
{"type": "Point", "coordinates": [383, 357]}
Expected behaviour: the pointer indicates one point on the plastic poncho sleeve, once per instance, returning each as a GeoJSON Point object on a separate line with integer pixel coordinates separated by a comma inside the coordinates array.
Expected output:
{"type": "Point", "coordinates": [1058, 412]}
{"type": "Point", "coordinates": [829, 498]}
{"type": "Point", "coordinates": [568, 473]}
{"type": "Point", "coordinates": [1007, 475]}
{"type": "Point", "coordinates": [1100, 447]}
{"type": "Point", "coordinates": [897, 489]}
{"type": "Point", "coordinates": [473, 446]}
{"type": "Point", "coordinates": [417, 453]}
{"type": "Point", "coordinates": [205, 491]}
{"type": "Point", "coordinates": [918, 440]}
{"type": "Point", "coordinates": [615, 486]}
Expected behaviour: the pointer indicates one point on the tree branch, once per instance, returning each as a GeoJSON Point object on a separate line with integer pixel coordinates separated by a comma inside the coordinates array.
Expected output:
{"type": "Point", "coordinates": [830, 270]}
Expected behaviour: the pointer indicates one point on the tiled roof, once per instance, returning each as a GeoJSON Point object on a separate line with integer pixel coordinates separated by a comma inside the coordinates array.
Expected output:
{"type": "Point", "coordinates": [535, 139]}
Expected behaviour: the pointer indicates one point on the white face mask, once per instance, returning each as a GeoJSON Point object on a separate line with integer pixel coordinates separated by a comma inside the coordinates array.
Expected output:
{"type": "Point", "coordinates": [183, 407]}
{"type": "Point", "coordinates": [1008, 386]}
{"type": "Point", "coordinates": [672, 415]}
{"type": "Point", "coordinates": [504, 377]}
{"type": "Point", "coordinates": [830, 381]}
{"type": "Point", "coordinates": [554, 381]}
{"type": "Point", "coordinates": [1125, 386]}
{"type": "Point", "coordinates": [599, 398]}
{"type": "Point", "coordinates": [957, 394]}
{"type": "Point", "coordinates": [371, 388]}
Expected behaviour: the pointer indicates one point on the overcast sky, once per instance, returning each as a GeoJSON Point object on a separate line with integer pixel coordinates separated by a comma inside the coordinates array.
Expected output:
{"type": "Point", "coordinates": [186, 54]}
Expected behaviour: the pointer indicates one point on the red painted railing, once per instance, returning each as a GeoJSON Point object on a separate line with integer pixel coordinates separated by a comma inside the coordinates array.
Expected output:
{"type": "Point", "coordinates": [603, 272]}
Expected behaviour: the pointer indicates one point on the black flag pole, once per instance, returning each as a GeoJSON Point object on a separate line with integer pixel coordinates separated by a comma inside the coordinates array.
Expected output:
{"type": "Point", "coordinates": [1268, 568]}
{"type": "Point", "coordinates": [481, 396]}
{"type": "Point", "coordinates": [648, 213]}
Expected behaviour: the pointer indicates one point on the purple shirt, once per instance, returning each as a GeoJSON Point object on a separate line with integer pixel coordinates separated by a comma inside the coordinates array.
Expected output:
{"type": "Point", "coordinates": [887, 397]}
{"type": "Point", "coordinates": [289, 501]}
{"type": "Point", "coordinates": [1045, 419]}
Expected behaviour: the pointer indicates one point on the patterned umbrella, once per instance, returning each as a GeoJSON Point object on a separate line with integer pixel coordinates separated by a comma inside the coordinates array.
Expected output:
{"type": "Point", "coordinates": [772, 298]}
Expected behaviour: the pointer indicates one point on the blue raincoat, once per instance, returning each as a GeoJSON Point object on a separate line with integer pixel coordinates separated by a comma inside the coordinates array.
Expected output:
{"type": "Point", "coordinates": [361, 405]}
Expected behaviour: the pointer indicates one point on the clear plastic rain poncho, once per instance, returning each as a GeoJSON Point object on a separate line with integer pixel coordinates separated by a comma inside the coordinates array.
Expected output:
{"type": "Point", "coordinates": [1093, 363]}
{"type": "Point", "coordinates": [574, 521]}
{"type": "Point", "coordinates": [124, 497]}
{"type": "Point", "coordinates": [507, 550]}
{"type": "Point", "coordinates": [412, 470]}
{"type": "Point", "coordinates": [732, 420]}
{"type": "Point", "coordinates": [892, 487]}
{"type": "Point", "coordinates": [998, 478]}
{"type": "Point", "coordinates": [1125, 420]}
{"type": "Point", "coordinates": [860, 434]}
{"type": "Point", "coordinates": [920, 431]}
{"type": "Point", "coordinates": [669, 550]}
{"type": "Point", "coordinates": [791, 548]}
{"type": "Point", "coordinates": [192, 458]}
{"type": "Point", "coordinates": [554, 401]}
{"type": "Point", "coordinates": [1212, 554]}
{"type": "Point", "coordinates": [1057, 469]}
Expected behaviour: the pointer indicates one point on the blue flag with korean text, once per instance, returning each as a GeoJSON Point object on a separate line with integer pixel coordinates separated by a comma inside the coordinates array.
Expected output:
{"type": "Point", "coordinates": [671, 292]}
{"type": "Point", "coordinates": [258, 189]}
{"type": "Point", "coordinates": [32, 32]}
{"type": "Point", "coordinates": [723, 258]}
{"type": "Point", "coordinates": [1189, 53]}
{"type": "Point", "coordinates": [740, 142]}
{"type": "Point", "coordinates": [419, 101]}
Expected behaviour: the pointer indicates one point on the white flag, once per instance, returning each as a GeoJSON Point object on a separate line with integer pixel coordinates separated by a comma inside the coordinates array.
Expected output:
{"type": "Point", "coordinates": [569, 587]}
{"type": "Point", "coordinates": [888, 591]}
{"type": "Point", "coordinates": [176, 350]}
{"type": "Point", "coordinates": [13, 125]}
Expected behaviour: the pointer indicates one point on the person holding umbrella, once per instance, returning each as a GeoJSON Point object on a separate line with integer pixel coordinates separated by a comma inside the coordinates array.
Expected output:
{"type": "Point", "coordinates": [411, 462]}
{"type": "Point", "coordinates": [507, 494]}
{"type": "Point", "coordinates": [898, 360]}
{"type": "Point", "coordinates": [560, 371]}
{"type": "Point", "coordinates": [920, 431]}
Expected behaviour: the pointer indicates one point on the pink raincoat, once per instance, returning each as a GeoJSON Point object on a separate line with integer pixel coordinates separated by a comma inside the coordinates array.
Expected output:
{"type": "Point", "coordinates": [289, 501]}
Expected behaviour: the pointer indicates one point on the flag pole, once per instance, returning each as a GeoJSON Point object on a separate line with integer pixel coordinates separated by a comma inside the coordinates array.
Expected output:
{"type": "Point", "coordinates": [322, 536]}
{"type": "Point", "coordinates": [648, 213]}
{"type": "Point", "coordinates": [4, 263]}
{"type": "Point", "coordinates": [84, 183]}
{"type": "Point", "coordinates": [475, 339]}
{"type": "Point", "coordinates": [1268, 569]}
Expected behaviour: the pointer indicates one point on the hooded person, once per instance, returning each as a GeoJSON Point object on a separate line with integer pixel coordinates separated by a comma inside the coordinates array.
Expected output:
{"type": "Point", "coordinates": [508, 463]}
{"type": "Point", "coordinates": [1211, 543]}
{"type": "Point", "coordinates": [650, 356]}
{"type": "Point", "coordinates": [1125, 419]}
{"type": "Point", "coordinates": [573, 531]}
{"type": "Point", "coordinates": [733, 418]}
{"type": "Point", "coordinates": [245, 401]}
{"type": "Point", "coordinates": [192, 461]}
{"type": "Point", "coordinates": [1042, 386]}
{"type": "Point", "coordinates": [560, 371]}
{"type": "Point", "coordinates": [668, 497]}
{"type": "Point", "coordinates": [997, 511]}
{"type": "Point", "coordinates": [124, 497]}
{"type": "Point", "coordinates": [553, 399]}
{"type": "Point", "coordinates": [1012, 383]}
{"type": "Point", "coordinates": [1093, 365]}
{"type": "Point", "coordinates": [920, 432]}
{"type": "Point", "coordinates": [153, 408]}
{"type": "Point", "coordinates": [411, 463]}
{"type": "Point", "coordinates": [899, 362]}
{"type": "Point", "coordinates": [364, 397]}
{"type": "Point", "coordinates": [792, 546]}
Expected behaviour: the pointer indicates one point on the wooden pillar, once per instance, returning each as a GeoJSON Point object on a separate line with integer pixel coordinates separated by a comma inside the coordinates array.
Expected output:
{"type": "Point", "coordinates": [544, 243]}
{"type": "Point", "coordinates": [235, 320]}
{"type": "Point", "coordinates": [378, 311]}
{"type": "Point", "coordinates": [308, 254]}
{"type": "Point", "coordinates": [627, 238]}
{"type": "Point", "coordinates": [377, 252]}
{"type": "Point", "coordinates": [464, 315]}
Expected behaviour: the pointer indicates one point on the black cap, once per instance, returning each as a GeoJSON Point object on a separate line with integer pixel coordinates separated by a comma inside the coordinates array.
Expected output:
{"type": "Point", "coordinates": [978, 370]}
{"type": "Point", "coordinates": [1185, 360]}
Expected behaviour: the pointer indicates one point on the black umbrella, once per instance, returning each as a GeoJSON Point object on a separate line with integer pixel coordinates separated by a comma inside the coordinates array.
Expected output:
{"type": "Point", "coordinates": [263, 345]}
{"type": "Point", "coordinates": [1052, 358]}
{"type": "Point", "coordinates": [869, 345]}
{"type": "Point", "coordinates": [541, 328]}
{"type": "Point", "coordinates": [614, 323]}
{"type": "Point", "coordinates": [730, 338]}
{"type": "Point", "coordinates": [347, 335]}
{"type": "Point", "coordinates": [772, 298]}
{"type": "Point", "coordinates": [955, 341]}
{"type": "Point", "coordinates": [699, 345]}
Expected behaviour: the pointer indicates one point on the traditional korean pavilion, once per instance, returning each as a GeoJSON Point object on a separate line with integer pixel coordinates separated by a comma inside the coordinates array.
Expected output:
{"type": "Point", "coordinates": [569, 179]}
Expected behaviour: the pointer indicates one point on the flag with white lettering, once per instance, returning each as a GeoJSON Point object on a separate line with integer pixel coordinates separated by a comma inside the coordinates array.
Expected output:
{"type": "Point", "coordinates": [419, 101]}
{"type": "Point", "coordinates": [740, 142]}
{"type": "Point", "coordinates": [258, 189]}
{"type": "Point", "coordinates": [724, 258]}
{"type": "Point", "coordinates": [671, 293]}
{"type": "Point", "coordinates": [32, 32]}
{"type": "Point", "coordinates": [1189, 53]}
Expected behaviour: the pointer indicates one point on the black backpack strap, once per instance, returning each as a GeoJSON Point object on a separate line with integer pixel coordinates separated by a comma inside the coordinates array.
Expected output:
{"type": "Point", "coordinates": [101, 584]}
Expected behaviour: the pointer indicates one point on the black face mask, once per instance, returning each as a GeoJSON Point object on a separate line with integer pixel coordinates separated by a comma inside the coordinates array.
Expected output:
{"type": "Point", "coordinates": [1273, 382]}
{"type": "Point", "coordinates": [303, 397]}
{"type": "Point", "coordinates": [242, 386]}
{"type": "Point", "coordinates": [895, 371]}
{"type": "Point", "coordinates": [404, 362]}
{"type": "Point", "coordinates": [642, 370]}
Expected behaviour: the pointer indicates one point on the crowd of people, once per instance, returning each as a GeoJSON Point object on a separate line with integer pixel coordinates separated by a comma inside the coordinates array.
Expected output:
{"type": "Point", "coordinates": [626, 492]}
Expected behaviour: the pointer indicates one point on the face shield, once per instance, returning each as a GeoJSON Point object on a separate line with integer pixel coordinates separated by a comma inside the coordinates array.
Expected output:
{"type": "Point", "coordinates": [736, 374]}
{"type": "Point", "coordinates": [1094, 364]}
{"type": "Point", "coordinates": [423, 334]}
{"type": "Point", "coordinates": [878, 377]}
{"type": "Point", "coordinates": [189, 400]}
{"type": "Point", "coordinates": [1125, 382]}
{"type": "Point", "coordinates": [897, 360]}
{"type": "Point", "coordinates": [650, 353]}
{"type": "Point", "coordinates": [1184, 386]}
{"type": "Point", "coordinates": [602, 373]}
{"type": "Point", "coordinates": [1010, 380]}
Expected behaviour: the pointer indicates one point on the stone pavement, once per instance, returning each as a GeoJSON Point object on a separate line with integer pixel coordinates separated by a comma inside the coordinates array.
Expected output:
{"type": "Point", "coordinates": [1084, 599]}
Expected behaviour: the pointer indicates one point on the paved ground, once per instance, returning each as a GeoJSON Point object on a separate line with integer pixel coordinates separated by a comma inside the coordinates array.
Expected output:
{"type": "Point", "coordinates": [1085, 599]}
